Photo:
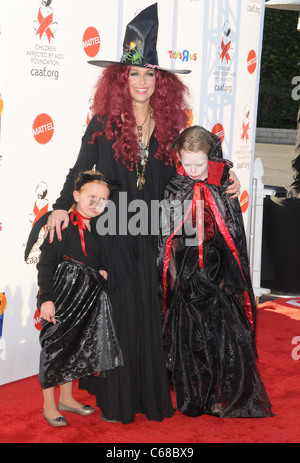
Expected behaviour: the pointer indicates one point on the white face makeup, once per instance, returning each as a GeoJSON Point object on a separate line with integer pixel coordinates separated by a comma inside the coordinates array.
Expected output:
{"type": "Point", "coordinates": [91, 199]}
{"type": "Point", "coordinates": [100, 205]}
{"type": "Point", "coordinates": [194, 164]}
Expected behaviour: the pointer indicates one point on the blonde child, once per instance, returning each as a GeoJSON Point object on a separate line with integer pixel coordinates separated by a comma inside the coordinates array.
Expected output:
{"type": "Point", "coordinates": [77, 336]}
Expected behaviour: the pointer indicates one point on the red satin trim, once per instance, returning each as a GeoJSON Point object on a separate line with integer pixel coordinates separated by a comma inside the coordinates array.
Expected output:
{"type": "Point", "coordinates": [230, 243]}
{"type": "Point", "coordinates": [78, 219]}
{"type": "Point", "coordinates": [208, 197]}
{"type": "Point", "coordinates": [168, 257]}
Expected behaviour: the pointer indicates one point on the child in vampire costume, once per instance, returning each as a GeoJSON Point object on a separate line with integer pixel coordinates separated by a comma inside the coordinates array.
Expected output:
{"type": "Point", "coordinates": [209, 311]}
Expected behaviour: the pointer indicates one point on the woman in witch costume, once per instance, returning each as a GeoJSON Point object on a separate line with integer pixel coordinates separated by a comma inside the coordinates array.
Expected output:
{"type": "Point", "coordinates": [136, 119]}
{"type": "Point", "coordinates": [77, 336]}
{"type": "Point", "coordinates": [205, 288]}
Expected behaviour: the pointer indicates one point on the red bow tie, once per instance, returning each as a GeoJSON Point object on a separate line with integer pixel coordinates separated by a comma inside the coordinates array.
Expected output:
{"type": "Point", "coordinates": [78, 219]}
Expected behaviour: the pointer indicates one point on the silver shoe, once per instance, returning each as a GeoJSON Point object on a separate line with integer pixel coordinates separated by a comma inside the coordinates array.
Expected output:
{"type": "Point", "coordinates": [83, 411]}
{"type": "Point", "coordinates": [56, 422]}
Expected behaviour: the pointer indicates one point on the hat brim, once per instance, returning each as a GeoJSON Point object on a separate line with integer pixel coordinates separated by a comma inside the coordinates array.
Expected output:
{"type": "Point", "coordinates": [104, 64]}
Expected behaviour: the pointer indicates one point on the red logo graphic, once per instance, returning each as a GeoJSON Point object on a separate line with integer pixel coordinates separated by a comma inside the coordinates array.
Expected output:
{"type": "Point", "coordinates": [91, 41]}
{"type": "Point", "coordinates": [245, 130]}
{"type": "Point", "coordinates": [190, 118]}
{"type": "Point", "coordinates": [37, 320]}
{"type": "Point", "coordinates": [225, 51]}
{"type": "Point", "coordinates": [1, 105]}
{"type": "Point", "coordinates": [244, 201]}
{"type": "Point", "coordinates": [43, 129]}
{"type": "Point", "coordinates": [44, 25]}
{"type": "Point", "coordinates": [218, 130]}
{"type": "Point", "coordinates": [3, 303]}
{"type": "Point", "coordinates": [252, 62]}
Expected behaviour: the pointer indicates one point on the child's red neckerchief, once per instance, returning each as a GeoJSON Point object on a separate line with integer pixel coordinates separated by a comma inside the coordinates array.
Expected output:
{"type": "Point", "coordinates": [78, 219]}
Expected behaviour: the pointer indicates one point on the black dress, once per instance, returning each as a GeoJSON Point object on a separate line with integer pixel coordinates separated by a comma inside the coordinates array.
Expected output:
{"type": "Point", "coordinates": [83, 341]}
{"type": "Point", "coordinates": [141, 386]}
{"type": "Point", "coordinates": [209, 309]}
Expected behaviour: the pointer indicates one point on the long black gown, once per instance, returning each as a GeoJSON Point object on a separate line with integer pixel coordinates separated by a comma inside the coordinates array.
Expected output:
{"type": "Point", "coordinates": [141, 386]}
{"type": "Point", "coordinates": [209, 309]}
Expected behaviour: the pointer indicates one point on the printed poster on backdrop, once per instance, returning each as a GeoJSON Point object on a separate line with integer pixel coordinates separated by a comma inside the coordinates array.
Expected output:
{"type": "Point", "coordinates": [46, 87]}
{"type": "Point", "coordinates": [45, 109]}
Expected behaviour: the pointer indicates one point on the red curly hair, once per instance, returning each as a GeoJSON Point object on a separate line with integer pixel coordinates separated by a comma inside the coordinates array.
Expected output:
{"type": "Point", "coordinates": [112, 100]}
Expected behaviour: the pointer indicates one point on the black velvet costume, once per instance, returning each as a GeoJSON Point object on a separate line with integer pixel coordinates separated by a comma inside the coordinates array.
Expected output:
{"type": "Point", "coordinates": [141, 385]}
{"type": "Point", "coordinates": [83, 340]}
{"type": "Point", "coordinates": [207, 300]}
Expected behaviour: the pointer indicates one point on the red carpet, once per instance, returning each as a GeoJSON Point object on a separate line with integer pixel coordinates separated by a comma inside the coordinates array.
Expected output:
{"type": "Point", "coordinates": [278, 324]}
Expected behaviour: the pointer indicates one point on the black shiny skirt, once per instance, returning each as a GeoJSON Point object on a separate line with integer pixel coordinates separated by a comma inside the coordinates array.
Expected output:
{"type": "Point", "coordinates": [209, 344]}
{"type": "Point", "coordinates": [83, 341]}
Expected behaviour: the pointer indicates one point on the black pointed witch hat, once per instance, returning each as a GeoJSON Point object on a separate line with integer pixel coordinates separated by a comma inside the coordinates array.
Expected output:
{"type": "Point", "coordinates": [139, 45]}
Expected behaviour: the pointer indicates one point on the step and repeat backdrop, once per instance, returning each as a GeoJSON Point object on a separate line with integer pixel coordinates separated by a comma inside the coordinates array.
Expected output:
{"type": "Point", "coordinates": [46, 87]}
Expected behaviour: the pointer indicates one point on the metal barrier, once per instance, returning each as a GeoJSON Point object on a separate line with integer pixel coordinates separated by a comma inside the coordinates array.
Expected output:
{"type": "Point", "coordinates": [259, 193]}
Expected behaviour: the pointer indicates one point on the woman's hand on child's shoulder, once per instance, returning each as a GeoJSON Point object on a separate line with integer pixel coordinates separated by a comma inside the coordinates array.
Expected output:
{"type": "Point", "coordinates": [59, 219]}
{"type": "Point", "coordinates": [234, 188]}
{"type": "Point", "coordinates": [103, 273]}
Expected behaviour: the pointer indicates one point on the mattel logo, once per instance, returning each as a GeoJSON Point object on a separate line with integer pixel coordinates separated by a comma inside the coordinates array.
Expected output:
{"type": "Point", "coordinates": [43, 128]}
{"type": "Point", "coordinates": [244, 201]}
{"type": "Point", "coordinates": [37, 320]}
{"type": "Point", "coordinates": [218, 130]}
{"type": "Point", "coordinates": [91, 42]}
{"type": "Point", "coordinates": [252, 62]}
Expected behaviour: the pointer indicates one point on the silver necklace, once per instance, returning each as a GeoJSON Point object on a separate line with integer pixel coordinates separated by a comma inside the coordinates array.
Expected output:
{"type": "Point", "coordinates": [143, 148]}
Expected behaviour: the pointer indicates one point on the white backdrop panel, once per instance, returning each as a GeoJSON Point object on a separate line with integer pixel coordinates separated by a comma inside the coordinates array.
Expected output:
{"type": "Point", "coordinates": [45, 91]}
